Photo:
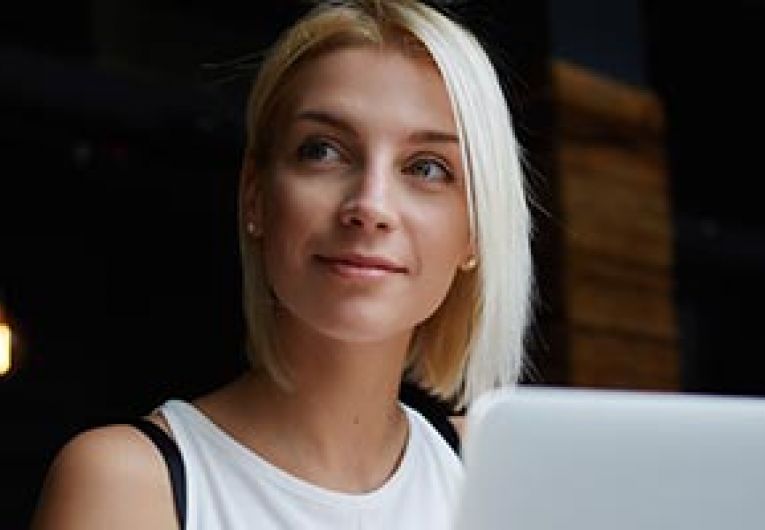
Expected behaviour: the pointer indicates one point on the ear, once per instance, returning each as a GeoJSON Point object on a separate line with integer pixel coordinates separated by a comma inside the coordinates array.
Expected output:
{"type": "Point", "coordinates": [469, 258]}
{"type": "Point", "coordinates": [251, 197]}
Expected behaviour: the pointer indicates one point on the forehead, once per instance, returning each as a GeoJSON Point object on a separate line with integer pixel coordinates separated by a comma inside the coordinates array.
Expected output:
{"type": "Point", "coordinates": [381, 84]}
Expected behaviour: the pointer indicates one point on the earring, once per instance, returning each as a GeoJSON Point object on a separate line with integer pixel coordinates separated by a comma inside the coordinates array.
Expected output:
{"type": "Point", "coordinates": [469, 264]}
{"type": "Point", "coordinates": [251, 229]}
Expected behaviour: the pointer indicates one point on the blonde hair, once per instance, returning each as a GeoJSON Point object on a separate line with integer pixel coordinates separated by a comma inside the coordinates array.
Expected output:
{"type": "Point", "coordinates": [475, 340]}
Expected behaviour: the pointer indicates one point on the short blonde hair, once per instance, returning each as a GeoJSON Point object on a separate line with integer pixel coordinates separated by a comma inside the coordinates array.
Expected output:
{"type": "Point", "coordinates": [475, 340]}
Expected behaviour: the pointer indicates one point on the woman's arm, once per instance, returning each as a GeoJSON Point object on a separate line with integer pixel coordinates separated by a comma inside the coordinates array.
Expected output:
{"type": "Point", "coordinates": [110, 477]}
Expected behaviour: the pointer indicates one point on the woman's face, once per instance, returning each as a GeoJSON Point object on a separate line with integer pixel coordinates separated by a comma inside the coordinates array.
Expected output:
{"type": "Point", "coordinates": [364, 220]}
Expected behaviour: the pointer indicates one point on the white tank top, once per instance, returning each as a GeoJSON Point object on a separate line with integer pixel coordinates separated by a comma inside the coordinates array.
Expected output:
{"type": "Point", "coordinates": [230, 487]}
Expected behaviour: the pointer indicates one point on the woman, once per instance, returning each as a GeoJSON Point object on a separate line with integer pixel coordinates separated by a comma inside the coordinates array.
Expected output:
{"type": "Point", "coordinates": [384, 234]}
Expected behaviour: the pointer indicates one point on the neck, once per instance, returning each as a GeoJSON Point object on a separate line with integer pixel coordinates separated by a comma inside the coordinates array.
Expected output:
{"type": "Point", "coordinates": [340, 425]}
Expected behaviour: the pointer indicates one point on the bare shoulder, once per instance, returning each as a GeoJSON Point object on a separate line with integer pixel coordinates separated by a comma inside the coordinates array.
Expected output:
{"type": "Point", "coordinates": [109, 477]}
{"type": "Point", "coordinates": [459, 425]}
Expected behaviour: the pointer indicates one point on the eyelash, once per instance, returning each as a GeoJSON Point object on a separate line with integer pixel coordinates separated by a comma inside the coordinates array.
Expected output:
{"type": "Point", "coordinates": [448, 174]}
{"type": "Point", "coordinates": [303, 154]}
{"type": "Point", "coordinates": [312, 143]}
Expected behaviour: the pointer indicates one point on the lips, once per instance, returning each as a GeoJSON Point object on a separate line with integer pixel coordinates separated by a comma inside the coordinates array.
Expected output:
{"type": "Point", "coordinates": [362, 263]}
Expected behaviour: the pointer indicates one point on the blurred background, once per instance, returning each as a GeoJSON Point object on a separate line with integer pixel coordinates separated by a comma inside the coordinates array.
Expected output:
{"type": "Point", "coordinates": [121, 136]}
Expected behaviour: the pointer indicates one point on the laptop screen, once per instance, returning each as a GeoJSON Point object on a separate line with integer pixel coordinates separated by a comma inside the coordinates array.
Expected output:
{"type": "Point", "coordinates": [553, 458]}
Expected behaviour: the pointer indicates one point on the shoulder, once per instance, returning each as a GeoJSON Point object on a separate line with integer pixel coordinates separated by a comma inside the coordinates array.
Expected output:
{"type": "Point", "coordinates": [458, 422]}
{"type": "Point", "coordinates": [108, 477]}
{"type": "Point", "coordinates": [439, 414]}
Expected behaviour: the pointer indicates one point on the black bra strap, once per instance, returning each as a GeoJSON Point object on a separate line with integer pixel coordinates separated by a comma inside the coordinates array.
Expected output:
{"type": "Point", "coordinates": [172, 456]}
{"type": "Point", "coordinates": [428, 405]}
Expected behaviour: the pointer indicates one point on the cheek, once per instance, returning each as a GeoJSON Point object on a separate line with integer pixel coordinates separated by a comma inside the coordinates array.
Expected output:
{"type": "Point", "coordinates": [294, 213]}
{"type": "Point", "coordinates": [442, 240]}
{"type": "Point", "coordinates": [284, 229]}
{"type": "Point", "coordinates": [444, 235]}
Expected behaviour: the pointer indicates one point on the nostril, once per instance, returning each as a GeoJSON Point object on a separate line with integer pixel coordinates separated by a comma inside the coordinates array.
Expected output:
{"type": "Point", "coordinates": [365, 217]}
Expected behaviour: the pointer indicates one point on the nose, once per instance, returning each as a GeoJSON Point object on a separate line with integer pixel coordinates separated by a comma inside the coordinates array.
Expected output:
{"type": "Point", "coordinates": [369, 204]}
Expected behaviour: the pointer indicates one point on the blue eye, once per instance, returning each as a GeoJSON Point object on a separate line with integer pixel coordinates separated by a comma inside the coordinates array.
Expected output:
{"type": "Point", "coordinates": [318, 151]}
{"type": "Point", "coordinates": [430, 169]}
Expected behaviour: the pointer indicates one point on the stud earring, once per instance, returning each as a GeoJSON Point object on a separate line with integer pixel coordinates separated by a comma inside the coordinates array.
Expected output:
{"type": "Point", "coordinates": [469, 264]}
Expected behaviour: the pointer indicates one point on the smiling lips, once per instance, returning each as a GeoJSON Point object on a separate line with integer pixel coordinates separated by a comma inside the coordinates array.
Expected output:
{"type": "Point", "coordinates": [360, 266]}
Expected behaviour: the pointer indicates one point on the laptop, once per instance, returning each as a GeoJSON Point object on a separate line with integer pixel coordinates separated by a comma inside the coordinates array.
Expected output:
{"type": "Point", "coordinates": [545, 458]}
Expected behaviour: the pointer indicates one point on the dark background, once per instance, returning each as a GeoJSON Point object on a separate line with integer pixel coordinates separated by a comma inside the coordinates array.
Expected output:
{"type": "Point", "coordinates": [121, 135]}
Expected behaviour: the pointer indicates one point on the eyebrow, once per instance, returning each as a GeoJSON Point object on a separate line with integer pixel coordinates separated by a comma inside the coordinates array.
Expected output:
{"type": "Point", "coordinates": [424, 136]}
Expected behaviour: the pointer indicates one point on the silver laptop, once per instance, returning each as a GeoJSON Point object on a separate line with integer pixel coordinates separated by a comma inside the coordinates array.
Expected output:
{"type": "Point", "coordinates": [554, 458]}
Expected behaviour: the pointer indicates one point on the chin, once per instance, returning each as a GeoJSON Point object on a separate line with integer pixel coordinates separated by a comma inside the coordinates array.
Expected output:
{"type": "Point", "coordinates": [361, 331]}
{"type": "Point", "coordinates": [359, 326]}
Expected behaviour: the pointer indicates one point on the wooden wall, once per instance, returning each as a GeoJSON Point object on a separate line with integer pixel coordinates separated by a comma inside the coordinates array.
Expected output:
{"type": "Point", "coordinates": [618, 310]}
